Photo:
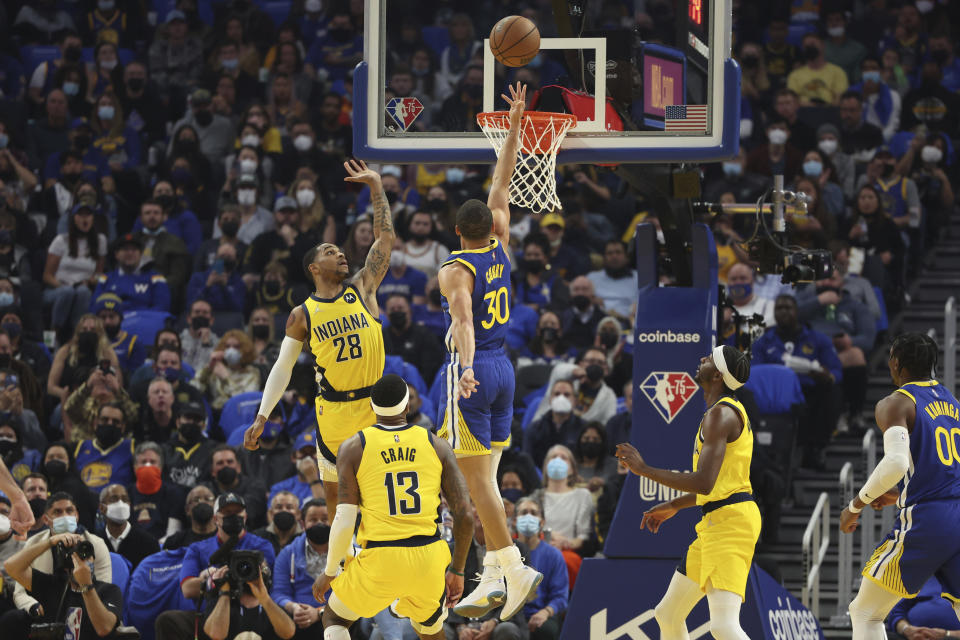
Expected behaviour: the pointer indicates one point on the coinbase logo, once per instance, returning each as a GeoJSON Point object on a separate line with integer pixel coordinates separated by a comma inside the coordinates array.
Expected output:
{"type": "Point", "coordinates": [667, 336]}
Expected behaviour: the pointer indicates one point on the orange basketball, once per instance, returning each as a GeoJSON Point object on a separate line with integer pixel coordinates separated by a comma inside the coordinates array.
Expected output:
{"type": "Point", "coordinates": [515, 41]}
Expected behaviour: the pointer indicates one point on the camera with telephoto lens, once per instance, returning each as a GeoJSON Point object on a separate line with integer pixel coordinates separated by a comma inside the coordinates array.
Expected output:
{"type": "Point", "coordinates": [244, 566]}
{"type": "Point", "coordinates": [793, 266]}
{"type": "Point", "coordinates": [63, 555]}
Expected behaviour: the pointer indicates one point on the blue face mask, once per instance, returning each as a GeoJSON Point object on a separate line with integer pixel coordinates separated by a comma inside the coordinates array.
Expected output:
{"type": "Point", "coordinates": [740, 291]}
{"type": "Point", "coordinates": [6, 298]}
{"type": "Point", "coordinates": [230, 65]}
{"type": "Point", "coordinates": [528, 525]}
{"type": "Point", "coordinates": [455, 175]}
{"type": "Point", "coordinates": [4, 140]}
{"type": "Point", "coordinates": [511, 494]}
{"type": "Point", "coordinates": [732, 169]}
{"type": "Point", "coordinates": [64, 524]}
{"type": "Point", "coordinates": [171, 374]}
{"type": "Point", "coordinates": [71, 88]}
{"type": "Point", "coordinates": [271, 430]}
{"type": "Point", "coordinates": [812, 168]}
{"type": "Point", "coordinates": [558, 469]}
{"type": "Point", "coordinates": [106, 112]}
{"type": "Point", "coordinates": [871, 76]}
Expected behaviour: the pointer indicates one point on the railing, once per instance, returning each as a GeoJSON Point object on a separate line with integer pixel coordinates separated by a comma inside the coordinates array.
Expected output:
{"type": "Point", "coordinates": [816, 541]}
{"type": "Point", "coordinates": [844, 552]}
{"type": "Point", "coordinates": [950, 345]}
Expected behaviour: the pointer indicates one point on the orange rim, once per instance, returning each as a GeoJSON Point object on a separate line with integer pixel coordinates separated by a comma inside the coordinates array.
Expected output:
{"type": "Point", "coordinates": [534, 122]}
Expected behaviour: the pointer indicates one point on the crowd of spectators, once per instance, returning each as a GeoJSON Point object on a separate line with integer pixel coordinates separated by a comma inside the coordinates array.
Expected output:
{"type": "Point", "coordinates": [163, 171]}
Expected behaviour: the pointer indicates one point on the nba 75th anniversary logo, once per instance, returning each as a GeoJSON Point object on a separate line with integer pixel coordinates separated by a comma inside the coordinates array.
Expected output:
{"type": "Point", "coordinates": [669, 391]}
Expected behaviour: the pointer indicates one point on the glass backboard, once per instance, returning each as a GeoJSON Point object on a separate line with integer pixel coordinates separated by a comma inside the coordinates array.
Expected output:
{"type": "Point", "coordinates": [670, 91]}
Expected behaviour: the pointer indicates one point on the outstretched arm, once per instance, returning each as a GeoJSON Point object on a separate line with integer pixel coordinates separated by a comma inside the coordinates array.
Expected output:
{"type": "Point", "coordinates": [456, 284]}
{"type": "Point", "coordinates": [21, 516]}
{"type": "Point", "coordinates": [378, 258]}
{"type": "Point", "coordinates": [279, 376]}
{"type": "Point", "coordinates": [895, 417]}
{"type": "Point", "coordinates": [499, 198]}
{"type": "Point", "coordinates": [717, 428]}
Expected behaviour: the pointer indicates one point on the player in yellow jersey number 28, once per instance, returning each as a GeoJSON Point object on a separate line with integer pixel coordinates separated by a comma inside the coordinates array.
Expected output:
{"type": "Point", "coordinates": [340, 324]}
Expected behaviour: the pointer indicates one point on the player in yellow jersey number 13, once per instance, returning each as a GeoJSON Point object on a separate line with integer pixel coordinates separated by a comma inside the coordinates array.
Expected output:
{"type": "Point", "coordinates": [340, 324]}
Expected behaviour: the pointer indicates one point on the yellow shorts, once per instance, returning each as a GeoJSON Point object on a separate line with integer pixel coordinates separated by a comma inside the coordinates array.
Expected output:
{"type": "Point", "coordinates": [414, 576]}
{"type": "Point", "coordinates": [723, 551]}
{"type": "Point", "coordinates": [337, 421]}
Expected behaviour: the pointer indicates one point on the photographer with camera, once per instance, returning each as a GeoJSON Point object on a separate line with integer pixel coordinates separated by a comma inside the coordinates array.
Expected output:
{"type": "Point", "coordinates": [60, 516]}
{"type": "Point", "coordinates": [71, 602]}
{"type": "Point", "coordinates": [246, 606]}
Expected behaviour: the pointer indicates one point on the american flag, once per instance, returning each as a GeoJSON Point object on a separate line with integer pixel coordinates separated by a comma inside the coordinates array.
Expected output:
{"type": "Point", "coordinates": [686, 117]}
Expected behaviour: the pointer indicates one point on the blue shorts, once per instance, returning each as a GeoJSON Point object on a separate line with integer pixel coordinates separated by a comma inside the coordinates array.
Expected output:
{"type": "Point", "coordinates": [923, 543]}
{"type": "Point", "coordinates": [474, 425]}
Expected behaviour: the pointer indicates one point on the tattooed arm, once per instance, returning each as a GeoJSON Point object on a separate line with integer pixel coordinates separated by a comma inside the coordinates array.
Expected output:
{"type": "Point", "coordinates": [454, 487]}
{"type": "Point", "coordinates": [378, 258]}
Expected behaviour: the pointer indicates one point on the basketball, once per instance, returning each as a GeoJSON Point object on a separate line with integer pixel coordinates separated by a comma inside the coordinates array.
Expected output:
{"type": "Point", "coordinates": [514, 41]}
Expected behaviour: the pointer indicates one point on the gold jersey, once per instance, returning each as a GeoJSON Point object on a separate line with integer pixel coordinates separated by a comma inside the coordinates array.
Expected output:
{"type": "Point", "coordinates": [734, 476]}
{"type": "Point", "coordinates": [346, 341]}
{"type": "Point", "coordinates": [399, 480]}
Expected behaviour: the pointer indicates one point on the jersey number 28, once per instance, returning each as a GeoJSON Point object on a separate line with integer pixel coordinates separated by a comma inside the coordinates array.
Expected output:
{"type": "Point", "coordinates": [498, 308]}
{"type": "Point", "coordinates": [351, 345]}
{"type": "Point", "coordinates": [410, 482]}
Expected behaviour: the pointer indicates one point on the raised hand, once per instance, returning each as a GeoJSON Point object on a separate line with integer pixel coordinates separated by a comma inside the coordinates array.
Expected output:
{"type": "Point", "coordinates": [518, 103]}
{"type": "Point", "coordinates": [357, 171]}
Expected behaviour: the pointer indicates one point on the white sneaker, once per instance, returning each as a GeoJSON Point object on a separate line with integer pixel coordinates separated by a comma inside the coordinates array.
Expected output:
{"type": "Point", "coordinates": [522, 583]}
{"type": "Point", "coordinates": [489, 594]}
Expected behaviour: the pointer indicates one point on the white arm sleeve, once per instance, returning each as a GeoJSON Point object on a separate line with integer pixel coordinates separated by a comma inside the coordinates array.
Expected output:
{"type": "Point", "coordinates": [341, 533]}
{"type": "Point", "coordinates": [280, 375]}
{"type": "Point", "coordinates": [892, 467]}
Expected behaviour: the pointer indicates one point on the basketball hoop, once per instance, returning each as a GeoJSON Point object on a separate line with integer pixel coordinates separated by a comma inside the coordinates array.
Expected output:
{"type": "Point", "coordinates": [534, 181]}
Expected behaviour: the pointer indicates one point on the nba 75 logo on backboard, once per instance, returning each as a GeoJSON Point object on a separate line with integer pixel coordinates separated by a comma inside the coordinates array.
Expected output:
{"type": "Point", "coordinates": [669, 391]}
{"type": "Point", "coordinates": [403, 111]}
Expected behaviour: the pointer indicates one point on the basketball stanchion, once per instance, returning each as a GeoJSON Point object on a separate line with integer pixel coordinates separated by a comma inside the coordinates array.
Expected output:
{"type": "Point", "coordinates": [534, 181]}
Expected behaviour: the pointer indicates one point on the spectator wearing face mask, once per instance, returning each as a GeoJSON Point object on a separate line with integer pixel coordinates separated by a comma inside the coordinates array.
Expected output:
{"type": "Point", "coordinates": [199, 513]}
{"type": "Point", "coordinates": [24, 347]}
{"type": "Point", "coordinates": [615, 286]}
{"type": "Point", "coordinates": [421, 251]}
{"type": "Point", "coordinates": [155, 506]}
{"type": "Point", "coordinates": [61, 475]}
{"type": "Point", "coordinates": [130, 352]}
{"type": "Point", "coordinates": [230, 370]}
{"type": "Point", "coordinates": [567, 508]}
{"type": "Point", "coordinates": [740, 289]}
{"type": "Point", "coordinates": [925, 162]}
{"type": "Point", "coordinates": [187, 453]}
{"type": "Point", "coordinates": [36, 559]}
{"type": "Point", "coordinates": [166, 364]}
{"type": "Point", "coordinates": [198, 339]}
{"type": "Point", "coordinates": [228, 225]}
{"type": "Point", "coordinates": [299, 564]}
{"type": "Point", "coordinates": [538, 285]}
{"type": "Point", "coordinates": [254, 219]}
{"type": "Point", "coordinates": [839, 48]}
{"type": "Point", "coordinates": [107, 457]}
{"type": "Point", "coordinates": [593, 399]}
{"type": "Point", "coordinates": [142, 103]}
{"type": "Point", "coordinates": [124, 538]}
{"type": "Point", "coordinates": [415, 344]}
{"type": "Point", "coordinates": [261, 332]}
{"type": "Point", "coordinates": [611, 341]}
{"type": "Point", "coordinates": [222, 284]}
{"type": "Point", "coordinates": [545, 612]}
{"type": "Point", "coordinates": [430, 314]}
{"type": "Point", "coordinates": [20, 393]}
{"type": "Point", "coordinates": [274, 461]}
{"type": "Point", "coordinates": [82, 408]}
{"type": "Point", "coordinates": [881, 105]}
{"type": "Point", "coordinates": [306, 483]}
{"type": "Point", "coordinates": [580, 319]}
{"type": "Point", "coordinates": [9, 542]}
{"type": "Point", "coordinates": [844, 170]}
{"type": "Point", "coordinates": [338, 50]}
{"type": "Point", "coordinates": [19, 458]}
{"type": "Point", "coordinates": [548, 346]}
{"type": "Point", "coordinates": [282, 525]}
{"type": "Point", "coordinates": [402, 279]}
{"type": "Point", "coordinates": [228, 476]}
{"type": "Point", "coordinates": [275, 293]}
{"type": "Point", "coordinates": [777, 156]}
{"type": "Point", "coordinates": [34, 487]}
{"type": "Point", "coordinates": [563, 258]}
{"type": "Point", "coordinates": [817, 81]}
{"type": "Point", "coordinates": [558, 425]}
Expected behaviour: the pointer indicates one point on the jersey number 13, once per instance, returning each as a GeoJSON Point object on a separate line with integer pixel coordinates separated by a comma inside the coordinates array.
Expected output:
{"type": "Point", "coordinates": [408, 504]}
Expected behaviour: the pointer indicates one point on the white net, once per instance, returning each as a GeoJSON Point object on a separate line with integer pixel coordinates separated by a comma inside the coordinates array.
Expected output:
{"type": "Point", "coordinates": [534, 181]}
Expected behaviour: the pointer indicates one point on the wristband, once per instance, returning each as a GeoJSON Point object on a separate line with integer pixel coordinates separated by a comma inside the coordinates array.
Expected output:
{"type": "Point", "coordinates": [852, 508]}
{"type": "Point", "coordinates": [462, 369]}
{"type": "Point", "coordinates": [84, 588]}
{"type": "Point", "coordinates": [455, 572]}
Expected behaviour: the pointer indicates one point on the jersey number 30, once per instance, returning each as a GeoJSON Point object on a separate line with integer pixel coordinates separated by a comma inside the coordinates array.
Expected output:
{"type": "Point", "coordinates": [498, 308]}
{"type": "Point", "coordinates": [408, 504]}
{"type": "Point", "coordinates": [351, 345]}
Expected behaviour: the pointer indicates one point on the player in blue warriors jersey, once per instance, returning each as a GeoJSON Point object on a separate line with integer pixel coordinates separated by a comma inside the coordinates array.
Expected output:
{"type": "Point", "coordinates": [478, 378]}
{"type": "Point", "coordinates": [340, 325]}
{"type": "Point", "coordinates": [920, 422]}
